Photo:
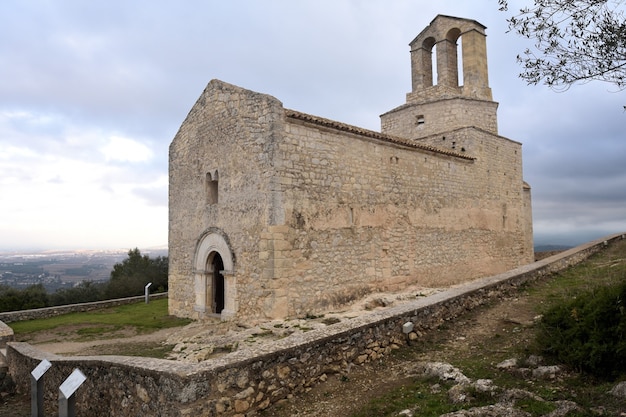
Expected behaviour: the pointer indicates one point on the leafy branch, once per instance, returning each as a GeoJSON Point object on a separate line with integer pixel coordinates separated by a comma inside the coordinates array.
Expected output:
{"type": "Point", "coordinates": [574, 41]}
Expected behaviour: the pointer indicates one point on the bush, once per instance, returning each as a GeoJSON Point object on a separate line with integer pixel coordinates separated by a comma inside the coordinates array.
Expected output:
{"type": "Point", "coordinates": [11, 299]}
{"type": "Point", "coordinates": [589, 332]}
{"type": "Point", "coordinates": [84, 292]}
{"type": "Point", "coordinates": [130, 277]}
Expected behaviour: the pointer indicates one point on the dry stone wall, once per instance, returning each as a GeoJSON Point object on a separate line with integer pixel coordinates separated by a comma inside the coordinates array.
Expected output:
{"type": "Point", "coordinates": [243, 382]}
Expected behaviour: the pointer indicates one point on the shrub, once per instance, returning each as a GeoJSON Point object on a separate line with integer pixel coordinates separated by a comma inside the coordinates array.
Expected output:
{"type": "Point", "coordinates": [589, 331]}
{"type": "Point", "coordinates": [130, 277]}
{"type": "Point", "coordinates": [84, 292]}
{"type": "Point", "coordinates": [11, 299]}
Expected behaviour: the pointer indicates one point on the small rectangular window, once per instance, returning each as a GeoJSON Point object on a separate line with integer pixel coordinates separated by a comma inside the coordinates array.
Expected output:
{"type": "Point", "coordinates": [420, 119]}
{"type": "Point", "coordinates": [211, 187]}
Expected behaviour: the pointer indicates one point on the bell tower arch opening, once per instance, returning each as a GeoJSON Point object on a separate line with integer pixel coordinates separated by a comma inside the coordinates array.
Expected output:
{"type": "Point", "coordinates": [214, 277]}
{"type": "Point", "coordinates": [448, 70]}
{"type": "Point", "coordinates": [447, 59]}
{"type": "Point", "coordinates": [454, 49]}
{"type": "Point", "coordinates": [424, 67]}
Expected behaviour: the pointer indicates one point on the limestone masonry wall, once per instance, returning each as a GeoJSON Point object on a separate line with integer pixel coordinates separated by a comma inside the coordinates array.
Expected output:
{"type": "Point", "coordinates": [230, 135]}
{"type": "Point", "coordinates": [315, 213]}
{"type": "Point", "coordinates": [362, 216]}
{"type": "Point", "coordinates": [245, 381]}
{"type": "Point", "coordinates": [440, 116]}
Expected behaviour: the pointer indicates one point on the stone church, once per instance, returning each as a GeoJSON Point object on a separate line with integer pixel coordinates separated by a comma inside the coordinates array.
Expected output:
{"type": "Point", "coordinates": [275, 213]}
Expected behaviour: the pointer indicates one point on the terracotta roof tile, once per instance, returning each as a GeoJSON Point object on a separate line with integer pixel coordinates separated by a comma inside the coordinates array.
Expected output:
{"type": "Point", "coordinates": [331, 124]}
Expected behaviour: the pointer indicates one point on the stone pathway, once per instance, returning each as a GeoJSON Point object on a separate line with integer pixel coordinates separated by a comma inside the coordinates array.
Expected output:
{"type": "Point", "coordinates": [204, 340]}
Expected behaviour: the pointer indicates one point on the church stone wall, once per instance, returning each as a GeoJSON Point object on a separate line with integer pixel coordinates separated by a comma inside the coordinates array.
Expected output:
{"type": "Point", "coordinates": [228, 135]}
{"type": "Point", "coordinates": [311, 214]}
{"type": "Point", "coordinates": [415, 121]}
{"type": "Point", "coordinates": [501, 178]}
{"type": "Point", "coordinates": [365, 215]}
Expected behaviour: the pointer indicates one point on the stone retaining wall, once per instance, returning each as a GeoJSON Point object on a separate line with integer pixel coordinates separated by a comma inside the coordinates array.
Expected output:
{"type": "Point", "coordinates": [40, 313]}
{"type": "Point", "coordinates": [6, 335]}
{"type": "Point", "coordinates": [243, 382]}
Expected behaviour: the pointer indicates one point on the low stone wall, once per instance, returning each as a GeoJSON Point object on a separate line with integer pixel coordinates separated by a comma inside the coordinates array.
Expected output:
{"type": "Point", "coordinates": [6, 335]}
{"type": "Point", "coordinates": [242, 382]}
{"type": "Point", "coordinates": [40, 313]}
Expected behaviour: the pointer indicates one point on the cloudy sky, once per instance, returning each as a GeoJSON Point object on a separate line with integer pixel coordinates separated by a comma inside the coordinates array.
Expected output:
{"type": "Point", "coordinates": [92, 93]}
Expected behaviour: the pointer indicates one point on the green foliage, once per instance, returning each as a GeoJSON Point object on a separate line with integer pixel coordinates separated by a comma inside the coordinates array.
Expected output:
{"type": "Point", "coordinates": [143, 317]}
{"type": "Point", "coordinates": [12, 299]}
{"type": "Point", "coordinates": [84, 292]}
{"type": "Point", "coordinates": [589, 331]}
{"type": "Point", "coordinates": [574, 41]}
{"type": "Point", "coordinates": [535, 407]}
{"type": "Point", "coordinates": [130, 277]}
{"type": "Point", "coordinates": [418, 395]}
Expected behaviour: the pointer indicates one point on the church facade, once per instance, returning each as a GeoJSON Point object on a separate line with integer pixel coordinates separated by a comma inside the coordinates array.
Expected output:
{"type": "Point", "coordinates": [275, 213]}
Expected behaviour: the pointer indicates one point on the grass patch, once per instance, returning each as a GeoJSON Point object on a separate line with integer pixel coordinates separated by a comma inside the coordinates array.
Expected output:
{"type": "Point", "coordinates": [535, 407]}
{"type": "Point", "coordinates": [425, 397]}
{"type": "Point", "coordinates": [146, 350]}
{"type": "Point", "coordinates": [142, 317]}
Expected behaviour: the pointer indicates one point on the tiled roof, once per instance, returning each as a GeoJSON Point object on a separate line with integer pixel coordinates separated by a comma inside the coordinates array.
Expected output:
{"type": "Point", "coordinates": [343, 127]}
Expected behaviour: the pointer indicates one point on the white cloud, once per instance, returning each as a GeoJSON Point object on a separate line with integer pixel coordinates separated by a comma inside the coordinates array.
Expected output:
{"type": "Point", "coordinates": [126, 150]}
{"type": "Point", "coordinates": [9, 152]}
{"type": "Point", "coordinates": [65, 185]}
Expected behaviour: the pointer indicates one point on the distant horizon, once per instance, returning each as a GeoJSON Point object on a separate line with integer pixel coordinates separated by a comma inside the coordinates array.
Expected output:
{"type": "Point", "coordinates": [35, 250]}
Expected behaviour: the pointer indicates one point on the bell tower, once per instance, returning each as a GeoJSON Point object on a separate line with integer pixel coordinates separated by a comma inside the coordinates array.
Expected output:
{"type": "Point", "coordinates": [450, 84]}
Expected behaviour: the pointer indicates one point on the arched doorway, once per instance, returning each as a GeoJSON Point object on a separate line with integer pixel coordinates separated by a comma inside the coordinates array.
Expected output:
{"type": "Point", "coordinates": [217, 284]}
{"type": "Point", "coordinates": [214, 277]}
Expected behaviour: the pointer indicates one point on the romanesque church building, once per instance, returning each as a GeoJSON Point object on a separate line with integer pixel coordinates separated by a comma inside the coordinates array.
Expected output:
{"type": "Point", "coordinates": [274, 213]}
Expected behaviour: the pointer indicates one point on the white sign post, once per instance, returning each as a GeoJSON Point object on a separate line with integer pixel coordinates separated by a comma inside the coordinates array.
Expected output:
{"type": "Point", "coordinates": [67, 401]}
{"type": "Point", "coordinates": [148, 292]}
{"type": "Point", "coordinates": [36, 388]}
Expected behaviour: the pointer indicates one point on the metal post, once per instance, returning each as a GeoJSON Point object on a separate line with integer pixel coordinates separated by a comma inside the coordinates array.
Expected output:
{"type": "Point", "coordinates": [148, 292]}
{"type": "Point", "coordinates": [67, 406]}
{"type": "Point", "coordinates": [67, 400]}
{"type": "Point", "coordinates": [37, 388]}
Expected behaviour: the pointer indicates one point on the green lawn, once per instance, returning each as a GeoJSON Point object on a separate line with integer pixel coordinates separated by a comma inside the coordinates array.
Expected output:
{"type": "Point", "coordinates": [144, 318]}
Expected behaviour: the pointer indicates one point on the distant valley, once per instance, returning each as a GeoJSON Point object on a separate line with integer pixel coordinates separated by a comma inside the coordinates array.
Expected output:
{"type": "Point", "coordinates": [62, 269]}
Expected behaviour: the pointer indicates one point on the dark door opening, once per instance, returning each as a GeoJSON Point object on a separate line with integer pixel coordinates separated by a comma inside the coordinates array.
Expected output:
{"type": "Point", "coordinates": [218, 284]}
